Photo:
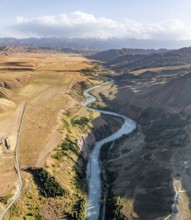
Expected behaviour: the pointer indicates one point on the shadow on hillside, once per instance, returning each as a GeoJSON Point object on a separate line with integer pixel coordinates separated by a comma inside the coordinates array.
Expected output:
{"type": "Point", "coordinates": [99, 132]}
{"type": "Point", "coordinates": [145, 177]}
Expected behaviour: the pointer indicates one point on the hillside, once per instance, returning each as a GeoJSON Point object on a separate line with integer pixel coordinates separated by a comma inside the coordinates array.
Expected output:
{"type": "Point", "coordinates": [169, 58]}
{"type": "Point", "coordinates": [42, 91]}
{"type": "Point", "coordinates": [146, 171]}
{"type": "Point", "coordinates": [116, 54]}
{"type": "Point", "coordinates": [139, 61]}
{"type": "Point", "coordinates": [41, 114]}
{"type": "Point", "coordinates": [155, 90]}
{"type": "Point", "coordinates": [175, 93]}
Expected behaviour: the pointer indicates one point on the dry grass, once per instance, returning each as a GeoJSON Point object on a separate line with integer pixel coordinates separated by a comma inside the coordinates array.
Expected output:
{"type": "Point", "coordinates": [158, 69]}
{"type": "Point", "coordinates": [48, 92]}
{"type": "Point", "coordinates": [45, 87]}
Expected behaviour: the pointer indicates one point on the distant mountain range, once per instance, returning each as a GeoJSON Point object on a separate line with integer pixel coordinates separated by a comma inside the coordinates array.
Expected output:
{"type": "Point", "coordinates": [116, 55]}
{"type": "Point", "coordinates": [94, 44]}
{"type": "Point", "coordinates": [135, 59]}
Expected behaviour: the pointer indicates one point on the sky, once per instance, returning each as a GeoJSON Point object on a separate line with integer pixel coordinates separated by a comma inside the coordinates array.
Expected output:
{"type": "Point", "coordinates": [139, 19]}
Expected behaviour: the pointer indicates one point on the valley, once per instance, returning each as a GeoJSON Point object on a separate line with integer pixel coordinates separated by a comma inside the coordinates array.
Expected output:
{"type": "Point", "coordinates": [145, 174]}
{"type": "Point", "coordinates": [93, 166]}
{"type": "Point", "coordinates": [95, 110]}
{"type": "Point", "coordinates": [148, 169]}
{"type": "Point", "coordinates": [41, 114]}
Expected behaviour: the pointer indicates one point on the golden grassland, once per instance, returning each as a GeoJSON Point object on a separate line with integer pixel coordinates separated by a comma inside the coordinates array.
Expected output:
{"type": "Point", "coordinates": [158, 69]}
{"type": "Point", "coordinates": [44, 82]}
{"type": "Point", "coordinates": [49, 86]}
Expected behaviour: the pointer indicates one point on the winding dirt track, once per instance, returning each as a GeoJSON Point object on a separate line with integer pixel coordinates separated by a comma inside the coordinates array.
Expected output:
{"type": "Point", "coordinates": [20, 183]}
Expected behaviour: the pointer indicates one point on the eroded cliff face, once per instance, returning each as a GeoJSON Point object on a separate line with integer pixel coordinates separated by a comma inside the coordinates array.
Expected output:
{"type": "Point", "coordinates": [149, 168]}
{"type": "Point", "coordinates": [88, 140]}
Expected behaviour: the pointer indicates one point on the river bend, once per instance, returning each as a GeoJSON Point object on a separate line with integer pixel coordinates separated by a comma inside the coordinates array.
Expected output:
{"type": "Point", "coordinates": [93, 167]}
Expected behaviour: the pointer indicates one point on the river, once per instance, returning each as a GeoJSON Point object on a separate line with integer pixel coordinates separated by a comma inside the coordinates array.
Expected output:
{"type": "Point", "coordinates": [93, 167]}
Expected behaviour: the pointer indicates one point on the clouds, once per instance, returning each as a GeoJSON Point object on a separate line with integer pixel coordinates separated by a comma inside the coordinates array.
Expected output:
{"type": "Point", "coordinates": [83, 25]}
{"type": "Point", "coordinates": [173, 29]}
{"type": "Point", "coordinates": [77, 24]}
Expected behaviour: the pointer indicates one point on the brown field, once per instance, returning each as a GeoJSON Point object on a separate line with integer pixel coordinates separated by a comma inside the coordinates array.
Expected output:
{"type": "Point", "coordinates": [40, 93]}
{"type": "Point", "coordinates": [43, 82]}
{"type": "Point", "coordinates": [158, 69]}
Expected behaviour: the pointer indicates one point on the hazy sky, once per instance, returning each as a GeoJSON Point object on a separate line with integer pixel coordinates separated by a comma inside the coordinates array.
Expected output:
{"type": "Point", "coordinates": [140, 19]}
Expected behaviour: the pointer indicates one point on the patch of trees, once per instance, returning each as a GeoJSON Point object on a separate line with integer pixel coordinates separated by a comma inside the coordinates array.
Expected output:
{"type": "Point", "coordinates": [31, 216]}
{"type": "Point", "coordinates": [73, 120]}
{"type": "Point", "coordinates": [67, 146]}
{"type": "Point", "coordinates": [113, 208]}
{"type": "Point", "coordinates": [82, 121]}
{"type": "Point", "coordinates": [47, 183]}
{"type": "Point", "coordinates": [79, 210]}
{"type": "Point", "coordinates": [66, 125]}
{"type": "Point", "coordinates": [5, 199]}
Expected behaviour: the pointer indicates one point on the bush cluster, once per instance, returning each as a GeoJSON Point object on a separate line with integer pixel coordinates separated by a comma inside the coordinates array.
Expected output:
{"type": "Point", "coordinates": [79, 210]}
{"type": "Point", "coordinates": [47, 183]}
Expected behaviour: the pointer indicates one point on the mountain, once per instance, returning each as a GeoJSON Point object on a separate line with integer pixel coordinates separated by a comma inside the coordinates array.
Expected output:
{"type": "Point", "coordinates": [175, 93]}
{"type": "Point", "coordinates": [94, 43]}
{"type": "Point", "coordinates": [169, 58]}
{"type": "Point", "coordinates": [147, 168]}
{"type": "Point", "coordinates": [128, 60]}
{"type": "Point", "coordinates": [116, 55]}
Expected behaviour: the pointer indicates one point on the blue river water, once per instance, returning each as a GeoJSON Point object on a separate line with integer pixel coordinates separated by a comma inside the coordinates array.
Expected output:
{"type": "Point", "coordinates": [93, 167]}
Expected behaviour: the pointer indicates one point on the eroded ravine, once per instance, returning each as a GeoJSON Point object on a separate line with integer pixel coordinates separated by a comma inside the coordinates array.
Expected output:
{"type": "Point", "coordinates": [93, 167]}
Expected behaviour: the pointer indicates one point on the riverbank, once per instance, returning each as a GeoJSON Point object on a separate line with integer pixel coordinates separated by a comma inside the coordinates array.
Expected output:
{"type": "Point", "coordinates": [94, 168]}
{"type": "Point", "coordinates": [143, 172]}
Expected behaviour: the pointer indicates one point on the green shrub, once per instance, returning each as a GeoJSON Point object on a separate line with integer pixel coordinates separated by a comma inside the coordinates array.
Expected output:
{"type": "Point", "coordinates": [73, 120]}
{"type": "Point", "coordinates": [5, 199]}
{"type": "Point", "coordinates": [79, 210]}
{"type": "Point", "coordinates": [66, 125]}
{"type": "Point", "coordinates": [47, 183]}
{"type": "Point", "coordinates": [113, 208]}
{"type": "Point", "coordinates": [69, 145]}
{"type": "Point", "coordinates": [58, 155]}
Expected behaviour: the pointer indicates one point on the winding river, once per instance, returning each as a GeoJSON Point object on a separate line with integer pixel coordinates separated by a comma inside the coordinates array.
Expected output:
{"type": "Point", "coordinates": [93, 167]}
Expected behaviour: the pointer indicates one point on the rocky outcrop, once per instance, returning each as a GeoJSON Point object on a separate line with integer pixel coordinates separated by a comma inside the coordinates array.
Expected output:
{"type": "Point", "coordinates": [88, 140]}
{"type": "Point", "coordinates": [142, 169]}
